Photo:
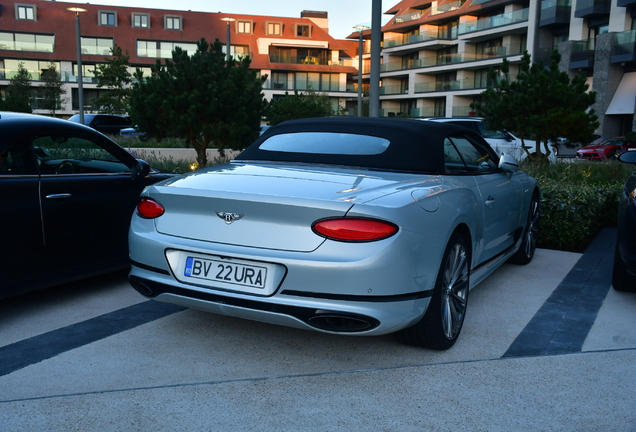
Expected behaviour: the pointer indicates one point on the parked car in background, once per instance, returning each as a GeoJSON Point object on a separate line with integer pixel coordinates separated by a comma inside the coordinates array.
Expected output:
{"type": "Point", "coordinates": [624, 272]}
{"type": "Point", "coordinates": [609, 149]}
{"type": "Point", "coordinates": [501, 141]}
{"type": "Point", "coordinates": [105, 123]}
{"type": "Point", "coordinates": [132, 133]}
{"type": "Point", "coordinates": [362, 226]}
{"type": "Point", "coordinates": [67, 194]}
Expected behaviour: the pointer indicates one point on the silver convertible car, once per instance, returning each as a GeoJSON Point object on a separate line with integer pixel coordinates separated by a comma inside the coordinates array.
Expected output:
{"type": "Point", "coordinates": [358, 226]}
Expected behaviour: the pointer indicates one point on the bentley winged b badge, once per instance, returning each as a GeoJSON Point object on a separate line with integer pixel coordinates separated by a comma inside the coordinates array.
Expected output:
{"type": "Point", "coordinates": [229, 217]}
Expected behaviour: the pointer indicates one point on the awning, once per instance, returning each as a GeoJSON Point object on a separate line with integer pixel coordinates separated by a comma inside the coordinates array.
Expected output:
{"type": "Point", "coordinates": [624, 100]}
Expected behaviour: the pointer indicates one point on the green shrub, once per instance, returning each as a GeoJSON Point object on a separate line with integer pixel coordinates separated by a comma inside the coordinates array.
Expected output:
{"type": "Point", "coordinates": [578, 198]}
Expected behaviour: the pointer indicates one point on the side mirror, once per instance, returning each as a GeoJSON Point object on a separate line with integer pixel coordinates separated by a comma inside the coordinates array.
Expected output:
{"type": "Point", "coordinates": [140, 169]}
{"type": "Point", "coordinates": [628, 157]}
{"type": "Point", "coordinates": [508, 164]}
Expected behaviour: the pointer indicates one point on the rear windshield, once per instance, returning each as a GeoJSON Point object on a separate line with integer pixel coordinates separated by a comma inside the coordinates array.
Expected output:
{"type": "Point", "coordinates": [326, 143]}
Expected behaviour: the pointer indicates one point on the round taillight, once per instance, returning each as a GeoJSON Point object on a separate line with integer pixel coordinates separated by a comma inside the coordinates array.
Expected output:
{"type": "Point", "coordinates": [149, 208]}
{"type": "Point", "coordinates": [354, 229]}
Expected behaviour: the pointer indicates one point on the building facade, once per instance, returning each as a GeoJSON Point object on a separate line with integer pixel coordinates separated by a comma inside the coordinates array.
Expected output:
{"type": "Point", "coordinates": [295, 53]}
{"type": "Point", "coordinates": [436, 54]}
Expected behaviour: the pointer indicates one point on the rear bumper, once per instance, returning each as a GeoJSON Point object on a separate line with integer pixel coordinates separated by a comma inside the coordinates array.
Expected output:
{"type": "Point", "coordinates": [336, 316]}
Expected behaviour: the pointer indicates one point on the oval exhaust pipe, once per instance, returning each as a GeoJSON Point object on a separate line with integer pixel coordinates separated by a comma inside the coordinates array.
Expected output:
{"type": "Point", "coordinates": [342, 323]}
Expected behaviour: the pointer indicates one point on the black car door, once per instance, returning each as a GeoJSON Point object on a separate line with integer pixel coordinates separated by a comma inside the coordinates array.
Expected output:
{"type": "Point", "coordinates": [88, 196]}
{"type": "Point", "coordinates": [21, 237]}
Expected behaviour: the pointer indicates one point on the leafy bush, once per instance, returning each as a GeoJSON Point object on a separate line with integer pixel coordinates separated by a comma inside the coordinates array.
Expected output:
{"type": "Point", "coordinates": [578, 198]}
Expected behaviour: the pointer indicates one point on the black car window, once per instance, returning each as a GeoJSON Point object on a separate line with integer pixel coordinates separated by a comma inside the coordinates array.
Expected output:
{"type": "Point", "coordinates": [488, 133]}
{"type": "Point", "coordinates": [60, 153]}
{"type": "Point", "coordinates": [452, 160]}
{"type": "Point", "coordinates": [477, 158]}
{"type": "Point", "coordinates": [16, 159]}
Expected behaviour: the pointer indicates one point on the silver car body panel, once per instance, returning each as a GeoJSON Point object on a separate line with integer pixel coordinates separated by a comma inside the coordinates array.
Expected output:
{"type": "Point", "coordinates": [389, 280]}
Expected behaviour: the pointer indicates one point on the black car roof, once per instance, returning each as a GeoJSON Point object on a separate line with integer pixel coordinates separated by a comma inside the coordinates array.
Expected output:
{"type": "Point", "coordinates": [416, 146]}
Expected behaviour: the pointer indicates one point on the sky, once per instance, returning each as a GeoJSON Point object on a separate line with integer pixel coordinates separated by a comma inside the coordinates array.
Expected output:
{"type": "Point", "coordinates": [343, 14]}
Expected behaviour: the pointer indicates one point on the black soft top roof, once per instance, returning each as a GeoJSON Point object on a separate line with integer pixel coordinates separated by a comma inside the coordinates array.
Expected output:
{"type": "Point", "coordinates": [415, 145]}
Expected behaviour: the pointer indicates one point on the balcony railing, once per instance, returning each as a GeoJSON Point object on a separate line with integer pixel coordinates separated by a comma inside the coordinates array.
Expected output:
{"type": "Point", "coordinates": [445, 86]}
{"type": "Point", "coordinates": [285, 59]}
{"type": "Point", "coordinates": [590, 8]}
{"type": "Point", "coordinates": [582, 55]}
{"type": "Point", "coordinates": [446, 59]}
{"type": "Point", "coordinates": [394, 89]}
{"type": "Point", "coordinates": [624, 47]}
{"type": "Point", "coordinates": [437, 9]}
{"type": "Point", "coordinates": [413, 16]}
{"type": "Point", "coordinates": [555, 12]}
{"type": "Point", "coordinates": [494, 21]}
{"type": "Point", "coordinates": [398, 112]}
{"type": "Point", "coordinates": [422, 37]}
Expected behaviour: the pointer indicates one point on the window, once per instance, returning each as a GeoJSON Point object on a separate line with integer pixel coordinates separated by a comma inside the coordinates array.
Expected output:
{"type": "Point", "coordinates": [140, 20]}
{"type": "Point", "coordinates": [244, 27]}
{"type": "Point", "coordinates": [35, 67]}
{"type": "Point", "coordinates": [326, 143]}
{"type": "Point", "coordinates": [107, 18]}
{"type": "Point", "coordinates": [462, 155]}
{"type": "Point", "coordinates": [274, 29]}
{"type": "Point", "coordinates": [78, 155]}
{"type": "Point", "coordinates": [172, 22]}
{"type": "Point", "coordinates": [303, 30]}
{"type": "Point", "coordinates": [27, 42]}
{"type": "Point", "coordinates": [26, 12]}
{"type": "Point", "coordinates": [237, 51]}
{"type": "Point", "coordinates": [157, 49]}
{"type": "Point", "coordinates": [97, 46]}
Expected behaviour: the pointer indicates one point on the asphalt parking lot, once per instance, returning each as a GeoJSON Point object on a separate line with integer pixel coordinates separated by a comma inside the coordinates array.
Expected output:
{"type": "Point", "coordinates": [546, 347]}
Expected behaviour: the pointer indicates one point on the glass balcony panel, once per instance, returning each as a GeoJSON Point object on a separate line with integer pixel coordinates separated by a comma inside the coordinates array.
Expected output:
{"type": "Point", "coordinates": [494, 21]}
{"type": "Point", "coordinates": [624, 47]}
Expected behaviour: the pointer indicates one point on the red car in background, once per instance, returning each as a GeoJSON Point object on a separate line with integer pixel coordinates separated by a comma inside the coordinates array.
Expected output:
{"type": "Point", "coordinates": [609, 149]}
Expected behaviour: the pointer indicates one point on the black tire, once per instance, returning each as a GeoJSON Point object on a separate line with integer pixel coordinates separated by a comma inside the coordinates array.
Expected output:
{"type": "Point", "coordinates": [621, 279]}
{"type": "Point", "coordinates": [613, 154]}
{"type": "Point", "coordinates": [440, 326]}
{"type": "Point", "coordinates": [530, 235]}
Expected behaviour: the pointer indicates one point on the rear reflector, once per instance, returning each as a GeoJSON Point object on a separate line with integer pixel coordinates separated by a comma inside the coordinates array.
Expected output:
{"type": "Point", "coordinates": [149, 208]}
{"type": "Point", "coordinates": [354, 229]}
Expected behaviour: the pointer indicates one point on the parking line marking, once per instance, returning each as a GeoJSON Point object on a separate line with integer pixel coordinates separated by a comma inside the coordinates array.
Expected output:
{"type": "Point", "coordinates": [562, 324]}
{"type": "Point", "coordinates": [33, 350]}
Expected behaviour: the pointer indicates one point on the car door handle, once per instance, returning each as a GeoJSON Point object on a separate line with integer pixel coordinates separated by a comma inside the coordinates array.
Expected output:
{"type": "Point", "coordinates": [59, 196]}
{"type": "Point", "coordinates": [490, 201]}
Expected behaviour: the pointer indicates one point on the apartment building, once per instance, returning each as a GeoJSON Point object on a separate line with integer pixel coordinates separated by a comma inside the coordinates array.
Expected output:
{"type": "Point", "coordinates": [436, 54]}
{"type": "Point", "coordinates": [295, 53]}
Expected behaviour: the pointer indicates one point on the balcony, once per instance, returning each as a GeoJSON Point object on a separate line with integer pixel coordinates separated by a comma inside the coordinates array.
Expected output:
{"type": "Point", "coordinates": [582, 56]}
{"type": "Point", "coordinates": [626, 3]}
{"type": "Point", "coordinates": [554, 12]}
{"type": "Point", "coordinates": [454, 58]}
{"type": "Point", "coordinates": [413, 16]}
{"type": "Point", "coordinates": [286, 59]}
{"type": "Point", "coordinates": [591, 8]}
{"type": "Point", "coordinates": [394, 89]}
{"type": "Point", "coordinates": [624, 47]}
{"type": "Point", "coordinates": [437, 9]}
{"type": "Point", "coordinates": [494, 21]}
{"type": "Point", "coordinates": [397, 112]}
{"type": "Point", "coordinates": [422, 37]}
{"type": "Point", "coordinates": [444, 86]}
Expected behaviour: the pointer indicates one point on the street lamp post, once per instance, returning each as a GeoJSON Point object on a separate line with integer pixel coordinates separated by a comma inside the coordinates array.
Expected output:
{"type": "Point", "coordinates": [376, 36]}
{"type": "Point", "coordinates": [78, 42]}
{"type": "Point", "coordinates": [360, 28]}
{"type": "Point", "coordinates": [228, 45]}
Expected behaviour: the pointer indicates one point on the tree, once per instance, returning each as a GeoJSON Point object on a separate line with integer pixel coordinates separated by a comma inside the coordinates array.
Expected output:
{"type": "Point", "coordinates": [114, 75]}
{"type": "Point", "coordinates": [541, 103]}
{"type": "Point", "coordinates": [297, 106]}
{"type": "Point", "coordinates": [52, 91]}
{"type": "Point", "coordinates": [19, 91]}
{"type": "Point", "coordinates": [202, 98]}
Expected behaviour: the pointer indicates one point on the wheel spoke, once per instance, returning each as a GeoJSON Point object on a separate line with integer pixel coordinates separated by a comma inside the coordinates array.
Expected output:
{"type": "Point", "coordinates": [455, 291]}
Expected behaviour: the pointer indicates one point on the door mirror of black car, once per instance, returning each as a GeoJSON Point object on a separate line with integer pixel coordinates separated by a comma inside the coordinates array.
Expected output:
{"type": "Point", "coordinates": [508, 164]}
{"type": "Point", "coordinates": [628, 157]}
{"type": "Point", "coordinates": [140, 169]}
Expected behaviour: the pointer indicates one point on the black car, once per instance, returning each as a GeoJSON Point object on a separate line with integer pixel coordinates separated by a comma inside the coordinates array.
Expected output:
{"type": "Point", "coordinates": [624, 274]}
{"type": "Point", "coordinates": [67, 194]}
{"type": "Point", "coordinates": [105, 123]}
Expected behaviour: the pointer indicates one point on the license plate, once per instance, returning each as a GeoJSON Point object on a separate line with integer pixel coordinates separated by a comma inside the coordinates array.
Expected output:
{"type": "Point", "coordinates": [226, 272]}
